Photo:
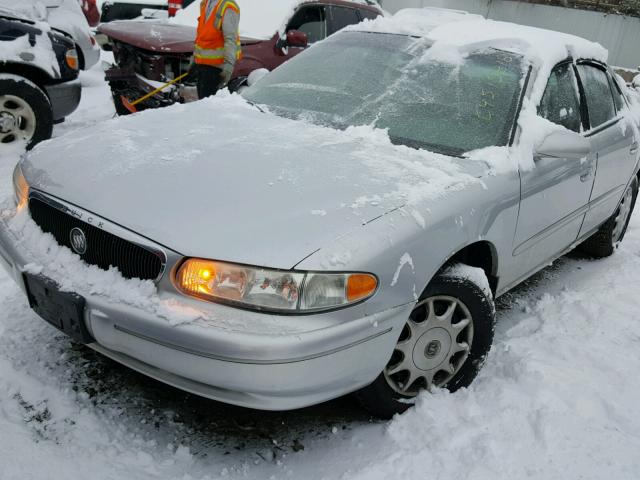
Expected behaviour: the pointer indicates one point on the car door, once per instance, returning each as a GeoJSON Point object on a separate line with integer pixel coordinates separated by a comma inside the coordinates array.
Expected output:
{"type": "Point", "coordinates": [341, 17]}
{"type": "Point", "coordinates": [555, 193]}
{"type": "Point", "coordinates": [612, 139]}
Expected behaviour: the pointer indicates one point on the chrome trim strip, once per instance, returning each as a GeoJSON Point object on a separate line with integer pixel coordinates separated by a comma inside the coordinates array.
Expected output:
{"type": "Point", "coordinates": [102, 223]}
{"type": "Point", "coordinates": [538, 237]}
{"type": "Point", "coordinates": [242, 360]}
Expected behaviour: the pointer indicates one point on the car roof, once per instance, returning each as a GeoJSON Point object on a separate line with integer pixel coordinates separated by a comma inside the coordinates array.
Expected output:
{"type": "Point", "coordinates": [467, 31]}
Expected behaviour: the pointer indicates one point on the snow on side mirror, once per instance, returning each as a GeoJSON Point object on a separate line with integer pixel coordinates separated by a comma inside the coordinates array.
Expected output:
{"type": "Point", "coordinates": [564, 144]}
{"type": "Point", "coordinates": [257, 75]}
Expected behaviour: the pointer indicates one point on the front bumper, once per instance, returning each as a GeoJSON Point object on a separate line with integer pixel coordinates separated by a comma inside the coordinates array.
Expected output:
{"type": "Point", "coordinates": [269, 371]}
{"type": "Point", "coordinates": [64, 97]}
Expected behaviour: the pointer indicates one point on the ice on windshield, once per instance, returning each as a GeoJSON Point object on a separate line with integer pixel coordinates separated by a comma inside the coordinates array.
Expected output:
{"type": "Point", "coordinates": [426, 97]}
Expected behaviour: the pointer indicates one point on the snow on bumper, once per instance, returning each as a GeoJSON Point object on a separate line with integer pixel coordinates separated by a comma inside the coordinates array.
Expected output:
{"type": "Point", "coordinates": [270, 371]}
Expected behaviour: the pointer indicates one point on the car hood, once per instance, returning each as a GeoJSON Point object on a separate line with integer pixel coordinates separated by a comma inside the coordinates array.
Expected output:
{"type": "Point", "coordinates": [220, 179]}
{"type": "Point", "coordinates": [155, 36]}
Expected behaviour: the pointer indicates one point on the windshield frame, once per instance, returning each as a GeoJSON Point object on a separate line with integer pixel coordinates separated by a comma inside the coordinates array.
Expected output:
{"type": "Point", "coordinates": [512, 114]}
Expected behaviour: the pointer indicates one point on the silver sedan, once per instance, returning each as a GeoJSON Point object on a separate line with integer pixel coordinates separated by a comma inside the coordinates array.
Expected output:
{"type": "Point", "coordinates": [343, 228]}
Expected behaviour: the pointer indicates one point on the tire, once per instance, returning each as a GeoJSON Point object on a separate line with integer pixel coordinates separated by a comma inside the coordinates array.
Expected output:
{"type": "Point", "coordinates": [608, 237]}
{"type": "Point", "coordinates": [25, 112]}
{"type": "Point", "coordinates": [467, 288]}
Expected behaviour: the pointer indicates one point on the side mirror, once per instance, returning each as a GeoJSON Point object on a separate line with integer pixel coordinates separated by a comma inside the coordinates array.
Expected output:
{"type": "Point", "coordinates": [564, 144]}
{"type": "Point", "coordinates": [296, 38]}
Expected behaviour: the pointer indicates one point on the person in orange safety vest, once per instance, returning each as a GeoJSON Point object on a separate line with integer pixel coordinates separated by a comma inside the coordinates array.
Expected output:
{"type": "Point", "coordinates": [217, 45]}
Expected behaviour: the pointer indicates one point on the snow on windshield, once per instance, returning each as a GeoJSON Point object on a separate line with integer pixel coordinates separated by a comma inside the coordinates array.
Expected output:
{"type": "Point", "coordinates": [259, 19]}
{"type": "Point", "coordinates": [425, 97]}
{"type": "Point", "coordinates": [541, 50]}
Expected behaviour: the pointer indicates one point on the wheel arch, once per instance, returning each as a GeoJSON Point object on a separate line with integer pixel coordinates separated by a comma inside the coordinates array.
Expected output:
{"type": "Point", "coordinates": [481, 254]}
{"type": "Point", "coordinates": [30, 72]}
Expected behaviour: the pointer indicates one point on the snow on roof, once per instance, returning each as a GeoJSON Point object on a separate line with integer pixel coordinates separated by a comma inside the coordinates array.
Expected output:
{"type": "Point", "coordinates": [259, 19]}
{"type": "Point", "coordinates": [464, 30]}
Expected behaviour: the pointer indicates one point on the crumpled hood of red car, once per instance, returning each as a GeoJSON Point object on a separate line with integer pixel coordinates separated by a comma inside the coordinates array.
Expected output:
{"type": "Point", "coordinates": [155, 36]}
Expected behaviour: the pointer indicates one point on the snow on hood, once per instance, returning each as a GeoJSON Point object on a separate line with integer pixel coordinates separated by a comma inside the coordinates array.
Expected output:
{"type": "Point", "coordinates": [259, 19]}
{"type": "Point", "coordinates": [219, 179]}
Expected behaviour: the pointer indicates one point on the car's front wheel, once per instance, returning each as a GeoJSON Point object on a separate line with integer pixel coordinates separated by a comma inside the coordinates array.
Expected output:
{"type": "Point", "coordinates": [25, 112]}
{"type": "Point", "coordinates": [443, 344]}
{"type": "Point", "coordinates": [605, 241]}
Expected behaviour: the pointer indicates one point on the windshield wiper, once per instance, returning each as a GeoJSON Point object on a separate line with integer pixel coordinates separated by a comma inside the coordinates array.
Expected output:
{"type": "Point", "coordinates": [253, 104]}
{"type": "Point", "coordinates": [433, 147]}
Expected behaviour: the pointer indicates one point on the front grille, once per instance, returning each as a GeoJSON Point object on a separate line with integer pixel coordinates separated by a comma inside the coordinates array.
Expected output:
{"type": "Point", "coordinates": [103, 249]}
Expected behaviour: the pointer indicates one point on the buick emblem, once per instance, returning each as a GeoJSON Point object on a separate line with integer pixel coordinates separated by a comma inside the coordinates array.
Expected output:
{"type": "Point", "coordinates": [78, 241]}
{"type": "Point", "coordinates": [432, 349]}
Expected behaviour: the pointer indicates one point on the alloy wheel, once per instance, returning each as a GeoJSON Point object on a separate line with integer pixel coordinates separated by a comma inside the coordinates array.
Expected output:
{"type": "Point", "coordinates": [17, 119]}
{"type": "Point", "coordinates": [433, 346]}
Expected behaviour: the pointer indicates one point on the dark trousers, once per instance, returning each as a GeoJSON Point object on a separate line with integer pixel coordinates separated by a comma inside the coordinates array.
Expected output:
{"type": "Point", "coordinates": [208, 80]}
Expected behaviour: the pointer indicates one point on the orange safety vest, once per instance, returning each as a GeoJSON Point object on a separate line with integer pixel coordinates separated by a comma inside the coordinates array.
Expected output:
{"type": "Point", "coordinates": [209, 48]}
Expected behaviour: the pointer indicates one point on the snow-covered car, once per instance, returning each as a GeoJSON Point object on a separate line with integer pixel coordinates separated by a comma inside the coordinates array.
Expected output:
{"type": "Point", "coordinates": [344, 225]}
{"type": "Point", "coordinates": [38, 79]}
{"type": "Point", "coordinates": [148, 54]}
{"type": "Point", "coordinates": [65, 16]}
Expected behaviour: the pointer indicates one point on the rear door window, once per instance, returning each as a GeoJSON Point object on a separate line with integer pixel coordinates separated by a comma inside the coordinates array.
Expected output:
{"type": "Point", "coordinates": [342, 17]}
{"type": "Point", "coordinates": [598, 92]}
{"type": "Point", "coordinates": [561, 102]}
{"type": "Point", "coordinates": [312, 21]}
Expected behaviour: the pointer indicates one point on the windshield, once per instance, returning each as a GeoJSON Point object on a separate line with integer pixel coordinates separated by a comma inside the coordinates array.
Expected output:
{"type": "Point", "coordinates": [440, 102]}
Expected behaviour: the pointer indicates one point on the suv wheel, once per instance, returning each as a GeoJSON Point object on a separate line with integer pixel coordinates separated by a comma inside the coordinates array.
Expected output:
{"type": "Point", "coordinates": [25, 112]}
{"type": "Point", "coordinates": [443, 344]}
{"type": "Point", "coordinates": [604, 242]}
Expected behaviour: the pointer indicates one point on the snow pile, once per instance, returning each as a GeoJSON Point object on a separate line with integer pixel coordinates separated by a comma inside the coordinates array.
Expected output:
{"type": "Point", "coordinates": [418, 22]}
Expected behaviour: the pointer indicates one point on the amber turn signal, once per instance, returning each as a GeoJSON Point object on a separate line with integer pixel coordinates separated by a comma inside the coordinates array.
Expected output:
{"type": "Point", "coordinates": [360, 285]}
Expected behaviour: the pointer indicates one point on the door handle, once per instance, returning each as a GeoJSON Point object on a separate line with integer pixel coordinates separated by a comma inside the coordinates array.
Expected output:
{"type": "Point", "coordinates": [585, 176]}
{"type": "Point", "coordinates": [634, 148]}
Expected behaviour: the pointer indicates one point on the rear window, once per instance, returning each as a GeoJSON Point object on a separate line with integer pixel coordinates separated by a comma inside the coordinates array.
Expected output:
{"type": "Point", "coordinates": [598, 93]}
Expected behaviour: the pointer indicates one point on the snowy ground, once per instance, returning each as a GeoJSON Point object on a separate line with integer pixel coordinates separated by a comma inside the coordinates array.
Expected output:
{"type": "Point", "coordinates": [558, 397]}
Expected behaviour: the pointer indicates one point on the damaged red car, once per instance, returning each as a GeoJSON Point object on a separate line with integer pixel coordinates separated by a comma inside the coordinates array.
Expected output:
{"type": "Point", "coordinates": [150, 53]}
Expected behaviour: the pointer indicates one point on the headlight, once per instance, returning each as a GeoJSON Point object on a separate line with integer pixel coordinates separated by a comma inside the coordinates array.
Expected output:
{"type": "Point", "coordinates": [273, 290]}
{"type": "Point", "coordinates": [71, 58]}
{"type": "Point", "coordinates": [20, 187]}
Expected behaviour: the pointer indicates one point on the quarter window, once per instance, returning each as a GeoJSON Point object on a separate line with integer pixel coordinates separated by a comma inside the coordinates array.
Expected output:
{"type": "Point", "coordinates": [617, 95]}
{"type": "Point", "coordinates": [312, 21]}
{"type": "Point", "coordinates": [342, 17]}
{"type": "Point", "coordinates": [561, 103]}
{"type": "Point", "coordinates": [598, 93]}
